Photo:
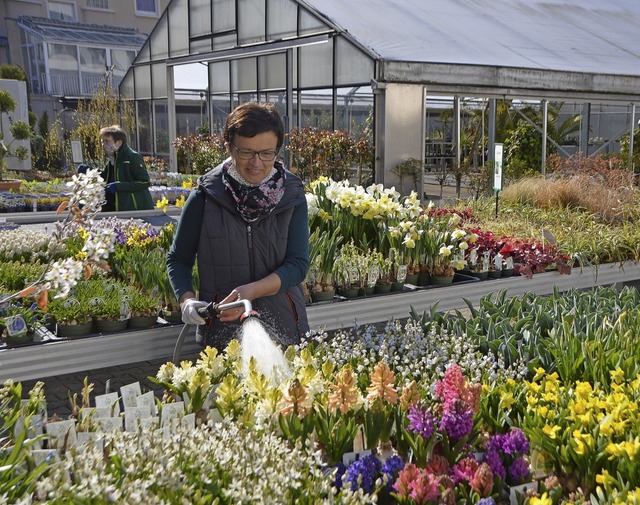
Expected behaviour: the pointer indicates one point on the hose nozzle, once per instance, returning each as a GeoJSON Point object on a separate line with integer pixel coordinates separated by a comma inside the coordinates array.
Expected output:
{"type": "Point", "coordinates": [213, 309]}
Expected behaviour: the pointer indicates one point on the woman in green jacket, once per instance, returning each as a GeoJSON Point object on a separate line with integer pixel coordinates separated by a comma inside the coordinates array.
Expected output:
{"type": "Point", "coordinates": [125, 173]}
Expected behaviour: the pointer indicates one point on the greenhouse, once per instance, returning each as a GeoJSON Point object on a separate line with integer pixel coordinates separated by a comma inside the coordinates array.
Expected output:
{"type": "Point", "coordinates": [332, 64]}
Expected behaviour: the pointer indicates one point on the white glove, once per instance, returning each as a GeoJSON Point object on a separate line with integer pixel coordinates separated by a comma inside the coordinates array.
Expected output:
{"type": "Point", "coordinates": [190, 311]}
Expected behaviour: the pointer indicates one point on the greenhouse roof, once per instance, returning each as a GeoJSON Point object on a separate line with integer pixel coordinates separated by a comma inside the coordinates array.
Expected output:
{"type": "Point", "coordinates": [51, 30]}
{"type": "Point", "coordinates": [571, 35]}
{"type": "Point", "coordinates": [600, 37]}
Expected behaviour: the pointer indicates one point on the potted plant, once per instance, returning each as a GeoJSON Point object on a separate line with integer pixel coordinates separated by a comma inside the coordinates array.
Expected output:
{"type": "Point", "coordinates": [20, 130]}
{"type": "Point", "coordinates": [72, 318]}
{"type": "Point", "coordinates": [323, 248]}
{"type": "Point", "coordinates": [144, 310]}
{"type": "Point", "coordinates": [19, 324]}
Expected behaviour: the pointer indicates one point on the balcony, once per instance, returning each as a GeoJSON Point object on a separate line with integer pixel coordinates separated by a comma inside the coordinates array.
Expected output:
{"type": "Point", "coordinates": [72, 85]}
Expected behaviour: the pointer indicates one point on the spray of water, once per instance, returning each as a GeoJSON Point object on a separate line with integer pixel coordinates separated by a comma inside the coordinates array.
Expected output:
{"type": "Point", "coordinates": [256, 343]}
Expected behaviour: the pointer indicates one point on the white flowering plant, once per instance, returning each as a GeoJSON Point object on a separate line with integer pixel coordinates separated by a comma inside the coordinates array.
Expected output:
{"type": "Point", "coordinates": [59, 276]}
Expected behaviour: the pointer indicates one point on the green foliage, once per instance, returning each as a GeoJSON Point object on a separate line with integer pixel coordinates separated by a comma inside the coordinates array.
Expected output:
{"type": "Point", "coordinates": [579, 335]}
{"type": "Point", "coordinates": [199, 153]}
{"type": "Point", "coordinates": [625, 143]}
{"type": "Point", "coordinates": [315, 152]}
{"type": "Point", "coordinates": [15, 275]}
{"type": "Point", "coordinates": [103, 108]}
{"type": "Point", "coordinates": [20, 130]}
{"type": "Point", "coordinates": [12, 72]}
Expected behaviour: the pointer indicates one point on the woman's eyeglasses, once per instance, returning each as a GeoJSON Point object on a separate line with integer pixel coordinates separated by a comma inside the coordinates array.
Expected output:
{"type": "Point", "coordinates": [249, 154]}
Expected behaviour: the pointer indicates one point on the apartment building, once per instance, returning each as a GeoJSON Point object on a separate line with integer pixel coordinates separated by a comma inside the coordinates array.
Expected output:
{"type": "Point", "coordinates": [68, 47]}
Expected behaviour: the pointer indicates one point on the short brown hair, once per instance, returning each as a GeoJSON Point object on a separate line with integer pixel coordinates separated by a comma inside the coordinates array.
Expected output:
{"type": "Point", "coordinates": [115, 132]}
{"type": "Point", "coordinates": [252, 118]}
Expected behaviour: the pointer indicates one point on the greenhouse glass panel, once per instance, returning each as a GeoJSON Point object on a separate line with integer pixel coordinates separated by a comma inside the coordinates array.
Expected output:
{"type": "Point", "coordinates": [63, 70]}
{"type": "Point", "coordinates": [227, 41]}
{"type": "Point", "coordinates": [224, 15]}
{"type": "Point", "coordinates": [142, 82]}
{"type": "Point", "coordinates": [63, 58]}
{"type": "Point", "coordinates": [243, 75]}
{"type": "Point", "coordinates": [220, 109]}
{"type": "Point", "coordinates": [159, 80]}
{"type": "Point", "coordinates": [219, 77]}
{"type": "Point", "coordinates": [200, 46]}
{"type": "Point", "coordinates": [282, 19]}
{"type": "Point", "coordinates": [316, 109]}
{"type": "Point", "coordinates": [178, 28]}
{"type": "Point", "coordinates": [316, 65]}
{"type": "Point", "coordinates": [93, 61]}
{"type": "Point", "coordinates": [199, 18]}
{"type": "Point", "coordinates": [159, 40]}
{"type": "Point", "coordinates": [121, 61]}
{"type": "Point", "coordinates": [272, 72]}
{"type": "Point", "coordinates": [352, 65]}
{"type": "Point", "coordinates": [353, 109]}
{"type": "Point", "coordinates": [143, 54]}
{"type": "Point", "coordinates": [161, 122]}
{"type": "Point", "coordinates": [126, 87]}
{"type": "Point", "coordinates": [310, 24]}
{"type": "Point", "coordinates": [251, 17]}
{"type": "Point", "coordinates": [145, 127]}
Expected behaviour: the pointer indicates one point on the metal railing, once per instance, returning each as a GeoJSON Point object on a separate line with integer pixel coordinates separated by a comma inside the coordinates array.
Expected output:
{"type": "Point", "coordinates": [73, 85]}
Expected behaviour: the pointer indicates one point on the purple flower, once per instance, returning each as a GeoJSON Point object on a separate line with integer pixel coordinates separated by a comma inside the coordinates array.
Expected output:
{"type": "Point", "coordinates": [517, 442]}
{"type": "Point", "coordinates": [339, 474]}
{"type": "Point", "coordinates": [487, 501]}
{"type": "Point", "coordinates": [392, 468]}
{"type": "Point", "coordinates": [363, 473]}
{"type": "Point", "coordinates": [457, 422]}
{"type": "Point", "coordinates": [421, 420]}
{"type": "Point", "coordinates": [492, 458]}
{"type": "Point", "coordinates": [519, 470]}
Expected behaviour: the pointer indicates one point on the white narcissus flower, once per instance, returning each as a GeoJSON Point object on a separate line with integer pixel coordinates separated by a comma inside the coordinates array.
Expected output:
{"type": "Point", "coordinates": [458, 234]}
{"type": "Point", "coordinates": [63, 275]}
{"type": "Point", "coordinates": [445, 251]}
{"type": "Point", "coordinates": [312, 204]}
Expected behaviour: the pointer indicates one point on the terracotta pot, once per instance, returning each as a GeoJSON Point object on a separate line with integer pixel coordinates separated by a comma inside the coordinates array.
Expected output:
{"type": "Point", "coordinates": [8, 184]}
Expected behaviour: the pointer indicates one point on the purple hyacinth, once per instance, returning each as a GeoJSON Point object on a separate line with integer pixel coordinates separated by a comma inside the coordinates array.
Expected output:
{"type": "Point", "coordinates": [519, 470]}
{"type": "Point", "coordinates": [392, 468]}
{"type": "Point", "coordinates": [363, 473]}
{"type": "Point", "coordinates": [492, 458]}
{"type": "Point", "coordinates": [457, 422]}
{"type": "Point", "coordinates": [487, 501]}
{"type": "Point", "coordinates": [421, 421]}
{"type": "Point", "coordinates": [517, 442]}
{"type": "Point", "coordinates": [339, 474]}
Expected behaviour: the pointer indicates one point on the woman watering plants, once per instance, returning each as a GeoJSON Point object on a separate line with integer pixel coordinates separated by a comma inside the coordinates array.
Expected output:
{"type": "Point", "coordinates": [246, 224]}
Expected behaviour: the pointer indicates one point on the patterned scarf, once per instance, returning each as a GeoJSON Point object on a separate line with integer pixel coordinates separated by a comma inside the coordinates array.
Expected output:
{"type": "Point", "coordinates": [253, 201]}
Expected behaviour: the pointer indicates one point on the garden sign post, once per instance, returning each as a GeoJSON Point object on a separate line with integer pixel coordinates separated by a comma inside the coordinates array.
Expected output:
{"type": "Point", "coordinates": [497, 171]}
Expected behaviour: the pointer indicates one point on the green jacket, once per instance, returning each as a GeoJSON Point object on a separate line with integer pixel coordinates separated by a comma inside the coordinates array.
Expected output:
{"type": "Point", "coordinates": [129, 173]}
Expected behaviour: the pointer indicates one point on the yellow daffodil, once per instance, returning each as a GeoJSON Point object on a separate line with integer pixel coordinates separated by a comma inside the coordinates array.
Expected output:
{"type": "Point", "coordinates": [163, 203]}
{"type": "Point", "coordinates": [545, 499]}
{"type": "Point", "coordinates": [551, 431]}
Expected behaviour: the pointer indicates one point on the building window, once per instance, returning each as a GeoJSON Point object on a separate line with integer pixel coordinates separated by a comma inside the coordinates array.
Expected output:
{"type": "Point", "coordinates": [62, 11]}
{"type": "Point", "coordinates": [147, 7]}
{"type": "Point", "coordinates": [98, 4]}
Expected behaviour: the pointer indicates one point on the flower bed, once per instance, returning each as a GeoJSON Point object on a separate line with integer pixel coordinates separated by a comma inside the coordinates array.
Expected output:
{"type": "Point", "coordinates": [410, 413]}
